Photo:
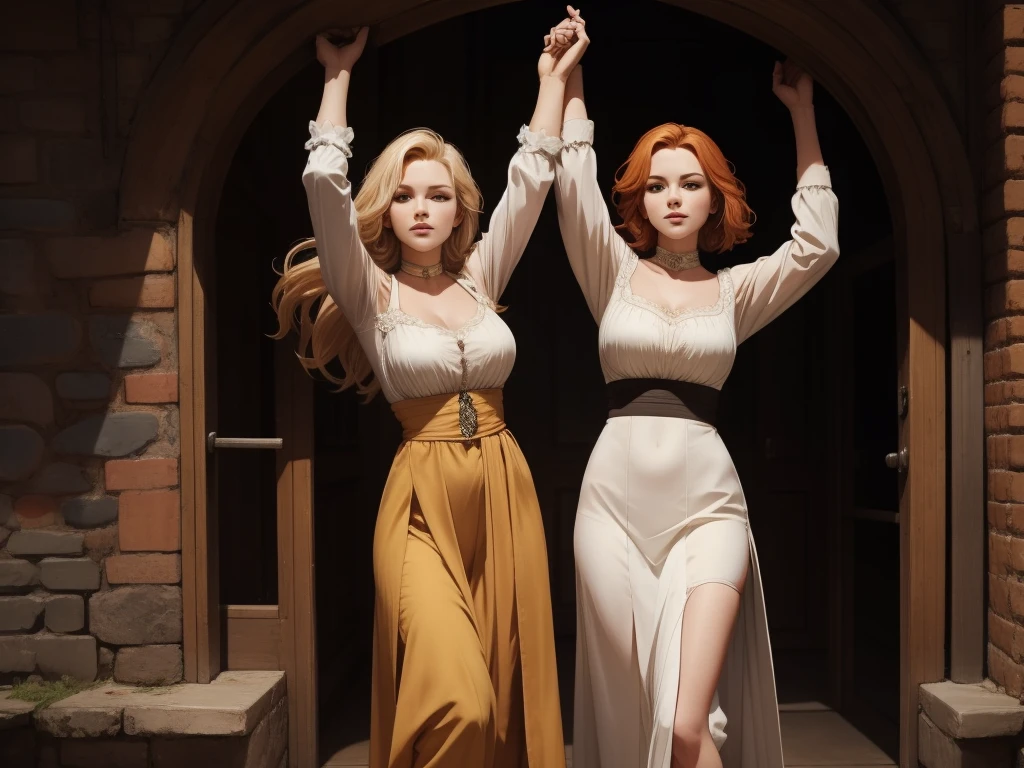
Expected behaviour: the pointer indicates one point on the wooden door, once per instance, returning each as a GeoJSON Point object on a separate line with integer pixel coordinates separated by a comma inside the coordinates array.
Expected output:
{"type": "Point", "coordinates": [864, 493]}
{"type": "Point", "coordinates": [259, 443]}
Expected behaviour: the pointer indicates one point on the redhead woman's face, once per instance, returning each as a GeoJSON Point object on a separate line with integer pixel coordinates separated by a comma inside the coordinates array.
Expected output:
{"type": "Point", "coordinates": [678, 199]}
{"type": "Point", "coordinates": [423, 210]}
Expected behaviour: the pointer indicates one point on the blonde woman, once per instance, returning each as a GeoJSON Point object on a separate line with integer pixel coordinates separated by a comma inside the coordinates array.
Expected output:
{"type": "Point", "coordinates": [464, 662]}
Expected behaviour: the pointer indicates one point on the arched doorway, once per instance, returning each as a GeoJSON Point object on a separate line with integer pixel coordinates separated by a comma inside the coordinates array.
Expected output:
{"type": "Point", "coordinates": [184, 178]}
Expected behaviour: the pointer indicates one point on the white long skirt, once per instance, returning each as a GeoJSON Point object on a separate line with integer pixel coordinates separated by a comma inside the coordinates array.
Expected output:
{"type": "Point", "coordinates": [661, 511]}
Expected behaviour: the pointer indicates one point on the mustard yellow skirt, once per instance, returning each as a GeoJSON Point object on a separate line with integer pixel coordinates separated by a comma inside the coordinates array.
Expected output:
{"type": "Point", "coordinates": [464, 659]}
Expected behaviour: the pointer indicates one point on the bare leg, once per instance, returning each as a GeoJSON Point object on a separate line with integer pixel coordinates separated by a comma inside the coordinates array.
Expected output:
{"type": "Point", "coordinates": [708, 621]}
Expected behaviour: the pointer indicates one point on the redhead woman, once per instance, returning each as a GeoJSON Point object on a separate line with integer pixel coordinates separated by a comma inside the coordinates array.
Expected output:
{"type": "Point", "coordinates": [672, 640]}
{"type": "Point", "coordinates": [400, 294]}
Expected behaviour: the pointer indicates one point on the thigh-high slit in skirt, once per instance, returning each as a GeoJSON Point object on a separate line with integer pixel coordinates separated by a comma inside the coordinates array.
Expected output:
{"type": "Point", "coordinates": [662, 511]}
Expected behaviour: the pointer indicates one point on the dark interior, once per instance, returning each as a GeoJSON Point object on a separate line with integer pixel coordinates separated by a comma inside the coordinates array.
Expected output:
{"type": "Point", "coordinates": [808, 412]}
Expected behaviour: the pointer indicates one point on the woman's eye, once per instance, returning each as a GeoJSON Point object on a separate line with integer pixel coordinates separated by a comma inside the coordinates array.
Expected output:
{"type": "Point", "coordinates": [402, 198]}
{"type": "Point", "coordinates": [692, 185]}
{"type": "Point", "coordinates": [655, 188]}
{"type": "Point", "coordinates": [441, 198]}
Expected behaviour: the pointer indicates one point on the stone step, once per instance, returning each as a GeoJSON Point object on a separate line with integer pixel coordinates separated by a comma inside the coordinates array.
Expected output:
{"type": "Point", "coordinates": [14, 713]}
{"type": "Point", "coordinates": [978, 711]}
{"type": "Point", "coordinates": [232, 705]}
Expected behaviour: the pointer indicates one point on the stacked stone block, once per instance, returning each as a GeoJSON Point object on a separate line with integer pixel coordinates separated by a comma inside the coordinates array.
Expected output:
{"type": "Point", "coordinates": [90, 532]}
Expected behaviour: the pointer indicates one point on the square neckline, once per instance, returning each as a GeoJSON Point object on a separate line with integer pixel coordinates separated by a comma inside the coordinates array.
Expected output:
{"type": "Point", "coordinates": [668, 315]}
{"type": "Point", "coordinates": [395, 308]}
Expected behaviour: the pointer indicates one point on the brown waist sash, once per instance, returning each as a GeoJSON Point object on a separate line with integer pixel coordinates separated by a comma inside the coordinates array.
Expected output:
{"type": "Point", "coordinates": [662, 397]}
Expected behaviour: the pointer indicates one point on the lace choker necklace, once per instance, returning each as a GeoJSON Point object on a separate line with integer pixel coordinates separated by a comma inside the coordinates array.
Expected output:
{"type": "Point", "coordinates": [675, 262]}
{"type": "Point", "coordinates": [418, 270]}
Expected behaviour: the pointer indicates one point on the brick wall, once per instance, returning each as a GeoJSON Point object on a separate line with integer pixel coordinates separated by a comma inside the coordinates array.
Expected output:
{"type": "Point", "coordinates": [90, 536]}
{"type": "Point", "coordinates": [1001, 47]}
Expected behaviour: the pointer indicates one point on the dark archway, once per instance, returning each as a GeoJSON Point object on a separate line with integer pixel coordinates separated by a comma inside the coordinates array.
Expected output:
{"type": "Point", "coordinates": [233, 56]}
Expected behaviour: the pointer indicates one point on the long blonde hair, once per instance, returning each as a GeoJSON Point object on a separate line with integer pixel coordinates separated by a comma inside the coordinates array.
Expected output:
{"type": "Point", "coordinates": [300, 290]}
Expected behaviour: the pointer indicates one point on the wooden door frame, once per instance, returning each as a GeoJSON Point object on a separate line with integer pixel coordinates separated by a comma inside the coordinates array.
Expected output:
{"type": "Point", "coordinates": [233, 54]}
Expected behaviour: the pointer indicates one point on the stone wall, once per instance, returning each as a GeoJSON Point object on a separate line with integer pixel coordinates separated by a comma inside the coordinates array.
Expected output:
{"type": "Point", "coordinates": [90, 543]}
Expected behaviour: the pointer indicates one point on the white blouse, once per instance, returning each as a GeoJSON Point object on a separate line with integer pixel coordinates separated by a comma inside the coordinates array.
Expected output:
{"type": "Point", "coordinates": [410, 357]}
{"type": "Point", "coordinates": [640, 339]}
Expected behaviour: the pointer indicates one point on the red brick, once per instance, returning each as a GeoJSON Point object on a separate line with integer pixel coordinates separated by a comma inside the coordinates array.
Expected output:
{"type": "Point", "coordinates": [1016, 590]}
{"type": "Point", "coordinates": [1004, 392]}
{"type": "Point", "coordinates": [149, 521]}
{"type": "Point", "coordinates": [1006, 486]}
{"type": "Point", "coordinates": [140, 474]}
{"type": "Point", "coordinates": [129, 253]}
{"type": "Point", "coordinates": [996, 333]}
{"type": "Point", "coordinates": [1001, 633]}
{"type": "Point", "coordinates": [1012, 88]}
{"type": "Point", "coordinates": [62, 115]}
{"type": "Point", "coordinates": [1017, 553]}
{"type": "Point", "coordinates": [1003, 418]}
{"type": "Point", "coordinates": [993, 364]}
{"type": "Point", "coordinates": [997, 516]}
{"type": "Point", "coordinates": [999, 558]}
{"type": "Point", "coordinates": [1004, 671]}
{"type": "Point", "coordinates": [18, 161]}
{"type": "Point", "coordinates": [144, 569]}
{"type": "Point", "coordinates": [1006, 451]}
{"type": "Point", "coordinates": [1013, 59]}
{"type": "Point", "coordinates": [36, 511]}
{"type": "Point", "coordinates": [151, 388]}
{"type": "Point", "coordinates": [1013, 22]}
{"type": "Point", "coordinates": [1012, 116]}
{"type": "Point", "coordinates": [150, 292]}
{"type": "Point", "coordinates": [999, 595]}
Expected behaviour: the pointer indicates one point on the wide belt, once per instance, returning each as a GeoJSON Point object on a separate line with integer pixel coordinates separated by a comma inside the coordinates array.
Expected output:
{"type": "Point", "coordinates": [663, 397]}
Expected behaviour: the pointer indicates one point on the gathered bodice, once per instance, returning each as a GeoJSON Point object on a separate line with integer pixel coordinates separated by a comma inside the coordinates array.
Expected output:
{"type": "Point", "coordinates": [420, 359]}
{"type": "Point", "coordinates": [639, 339]}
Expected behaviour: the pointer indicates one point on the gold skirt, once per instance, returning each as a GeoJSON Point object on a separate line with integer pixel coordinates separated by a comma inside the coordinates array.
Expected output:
{"type": "Point", "coordinates": [464, 660]}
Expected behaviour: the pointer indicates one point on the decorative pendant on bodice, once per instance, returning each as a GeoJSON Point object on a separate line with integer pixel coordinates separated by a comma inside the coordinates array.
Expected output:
{"type": "Point", "coordinates": [467, 411]}
{"type": "Point", "coordinates": [675, 262]}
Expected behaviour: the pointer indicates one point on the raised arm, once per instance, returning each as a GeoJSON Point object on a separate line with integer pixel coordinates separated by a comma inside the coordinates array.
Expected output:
{"type": "Point", "coordinates": [351, 276]}
{"type": "Point", "coordinates": [595, 249]}
{"type": "Point", "coordinates": [769, 286]}
{"type": "Point", "coordinates": [531, 171]}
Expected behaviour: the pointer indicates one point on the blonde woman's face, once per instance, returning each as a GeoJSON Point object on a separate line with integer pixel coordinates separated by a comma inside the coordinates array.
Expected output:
{"type": "Point", "coordinates": [423, 210]}
{"type": "Point", "coordinates": [677, 200]}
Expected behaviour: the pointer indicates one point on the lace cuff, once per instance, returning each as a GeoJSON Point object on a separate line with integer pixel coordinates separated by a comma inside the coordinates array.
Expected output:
{"type": "Point", "coordinates": [538, 142]}
{"type": "Point", "coordinates": [328, 134]}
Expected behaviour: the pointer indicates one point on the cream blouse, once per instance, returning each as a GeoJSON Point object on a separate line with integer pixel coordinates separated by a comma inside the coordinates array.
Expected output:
{"type": "Point", "coordinates": [410, 357]}
{"type": "Point", "coordinates": [640, 339]}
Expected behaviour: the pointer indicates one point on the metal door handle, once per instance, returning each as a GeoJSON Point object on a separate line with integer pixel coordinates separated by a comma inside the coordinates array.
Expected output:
{"type": "Point", "coordinates": [259, 443]}
{"type": "Point", "coordinates": [899, 461]}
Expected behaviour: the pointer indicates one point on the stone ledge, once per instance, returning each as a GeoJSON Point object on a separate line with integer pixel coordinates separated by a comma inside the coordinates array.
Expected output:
{"type": "Point", "coordinates": [14, 713]}
{"type": "Point", "coordinates": [971, 711]}
{"type": "Point", "coordinates": [232, 705]}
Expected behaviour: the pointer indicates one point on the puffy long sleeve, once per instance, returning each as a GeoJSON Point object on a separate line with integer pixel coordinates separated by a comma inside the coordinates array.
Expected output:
{"type": "Point", "coordinates": [530, 174]}
{"type": "Point", "coordinates": [766, 288]}
{"type": "Point", "coordinates": [595, 250]}
{"type": "Point", "coordinates": [351, 276]}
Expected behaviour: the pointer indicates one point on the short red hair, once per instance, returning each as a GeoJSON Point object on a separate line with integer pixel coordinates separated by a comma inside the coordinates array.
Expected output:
{"type": "Point", "coordinates": [728, 226]}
